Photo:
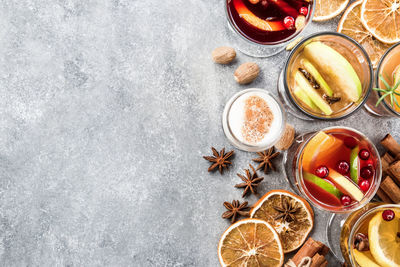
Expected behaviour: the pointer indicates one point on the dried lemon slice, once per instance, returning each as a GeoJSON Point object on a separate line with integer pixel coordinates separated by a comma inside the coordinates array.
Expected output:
{"type": "Point", "coordinates": [328, 9]}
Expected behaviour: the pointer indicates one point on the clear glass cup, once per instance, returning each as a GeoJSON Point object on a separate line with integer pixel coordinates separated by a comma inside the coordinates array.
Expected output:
{"type": "Point", "coordinates": [351, 50]}
{"type": "Point", "coordinates": [253, 47]}
{"type": "Point", "coordinates": [232, 116]}
{"type": "Point", "coordinates": [384, 109]}
{"type": "Point", "coordinates": [292, 162]}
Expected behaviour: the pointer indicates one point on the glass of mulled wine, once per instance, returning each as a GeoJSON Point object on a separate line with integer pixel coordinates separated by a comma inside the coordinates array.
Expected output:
{"type": "Point", "coordinates": [261, 28]}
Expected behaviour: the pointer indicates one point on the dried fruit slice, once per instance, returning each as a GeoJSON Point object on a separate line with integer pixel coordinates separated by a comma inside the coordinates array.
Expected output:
{"type": "Point", "coordinates": [351, 25]}
{"type": "Point", "coordinates": [292, 233]}
{"type": "Point", "coordinates": [328, 9]}
{"type": "Point", "coordinates": [250, 242]}
{"type": "Point", "coordinates": [382, 19]}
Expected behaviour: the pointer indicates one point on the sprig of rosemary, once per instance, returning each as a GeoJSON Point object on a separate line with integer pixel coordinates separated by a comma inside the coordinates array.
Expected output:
{"type": "Point", "coordinates": [389, 91]}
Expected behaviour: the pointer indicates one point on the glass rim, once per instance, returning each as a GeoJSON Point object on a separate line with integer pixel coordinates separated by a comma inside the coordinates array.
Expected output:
{"type": "Point", "coordinates": [227, 129]}
{"type": "Point", "coordinates": [286, 86]}
{"type": "Point", "coordinates": [273, 44]}
{"type": "Point", "coordinates": [378, 69]}
{"type": "Point", "coordinates": [319, 204]}
{"type": "Point", "coordinates": [358, 222]}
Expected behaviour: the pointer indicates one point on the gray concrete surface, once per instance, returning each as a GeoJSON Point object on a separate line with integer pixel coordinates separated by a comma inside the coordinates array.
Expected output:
{"type": "Point", "coordinates": [106, 108]}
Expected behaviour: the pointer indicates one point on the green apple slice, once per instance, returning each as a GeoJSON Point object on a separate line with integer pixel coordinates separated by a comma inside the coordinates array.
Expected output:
{"type": "Point", "coordinates": [300, 94]}
{"type": "Point", "coordinates": [345, 185]}
{"type": "Point", "coordinates": [336, 69]}
{"type": "Point", "coordinates": [312, 94]}
{"type": "Point", "coordinates": [321, 183]}
{"type": "Point", "coordinates": [354, 163]}
{"type": "Point", "coordinates": [317, 76]}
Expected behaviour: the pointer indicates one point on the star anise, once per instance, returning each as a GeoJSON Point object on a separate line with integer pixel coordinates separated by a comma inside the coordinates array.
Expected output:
{"type": "Point", "coordinates": [235, 210]}
{"type": "Point", "coordinates": [265, 159]}
{"type": "Point", "coordinates": [219, 160]}
{"type": "Point", "coordinates": [286, 210]}
{"type": "Point", "coordinates": [250, 181]}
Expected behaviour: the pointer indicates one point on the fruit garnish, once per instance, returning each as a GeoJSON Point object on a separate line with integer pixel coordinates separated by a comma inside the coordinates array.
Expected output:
{"type": "Point", "coordinates": [388, 215]}
{"type": "Point", "coordinates": [366, 172]}
{"type": "Point", "coordinates": [364, 185]}
{"type": "Point", "coordinates": [345, 185]}
{"type": "Point", "coordinates": [300, 22]}
{"type": "Point", "coordinates": [316, 76]}
{"type": "Point", "coordinates": [345, 200]}
{"type": "Point", "coordinates": [328, 9]}
{"type": "Point", "coordinates": [322, 184]}
{"type": "Point", "coordinates": [303, 10]}
{"type": "Point", "coordinates": [252, 19]}
{"type": "Point", "coordinates": [364, 154]}
{"type": "Point", "coordinates": [350, 142]}
{"type": "Point", "coordinates": [303, 83]}
{"type": "Point", "coordinates": [351, 25]}
{"type": "Point", "coordinates": [354, 163]}
{"type": "Point", "coordinates": [279, 208]}
{"type": "Point", "coordinates": [343, 167]}
{"type": "Point", "coordinates": [322, 171]}
{"type": "Point", "coordinates": [381, 19]}
{"type": "Point", "coordinates": [250, 242]}
{"type": "Point", "coordinates": [332, 64]}
{"type": "Point", "coordinates": [288, 21]}
{"type": "Point", "coordinates": [390, 92]}
{"type": "Point", "coordinates": [301, 94]}
{"type": "Point", "coordinates": [361, 242]}
{"type": "Point", "coordinates": [364, 259]}
{"type": "Point", "coordinates": [383, 241]}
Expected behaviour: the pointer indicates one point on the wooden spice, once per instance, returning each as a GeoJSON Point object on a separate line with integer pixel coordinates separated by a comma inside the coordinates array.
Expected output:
{"type": "Point", "coordinates": [394, 170]}
{"type": "Point", "coordinates": [309, 249]}
{"type": "Point", "coordinates": [386, 160]}
{"type": "Point", "coordinates": [317, 260]}
{"type": "Point", "coordinates": [391, 189]}
{"type": "Point", "coordinates": [383, 196]}
{"type": "Point", "coordinates": [391, 145]}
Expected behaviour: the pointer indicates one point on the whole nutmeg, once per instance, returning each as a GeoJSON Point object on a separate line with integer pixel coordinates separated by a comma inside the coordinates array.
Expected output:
{"type": "Point", "coordinates": [223, 54]}
{"type": "Point", "coordinates": [246, 73]}
{"type": "Point", "coordinates": [287, 138]}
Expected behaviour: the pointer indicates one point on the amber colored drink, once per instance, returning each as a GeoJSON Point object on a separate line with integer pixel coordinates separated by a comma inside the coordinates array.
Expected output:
{"type": "Point", "coordinates": [389, 70]}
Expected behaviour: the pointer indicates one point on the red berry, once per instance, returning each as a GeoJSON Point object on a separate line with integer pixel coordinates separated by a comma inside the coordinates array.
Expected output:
{"type": "Point", "coordinates": [345, 200]}
{"type": "Point", "coordinates": [343, 167]}
{"type": "Point", "coordinates": [364, 154]}
{"type": "Point", "coordinates": [322, 171]}
{"type": "Point", "coordinates": [388, 215]}
{"type": "Point", "coordinates": [264, 3]}
{"type": "Point", "coordinates": [288, 22]}
{"type": "Point", "coordinates": [304, 11]}
{"type": "Point", "coordinates": [366, 172]}
{"type": "Point", "coordinates": [350, 142]}
{"type": "Point", "coordinates": [364, 185]}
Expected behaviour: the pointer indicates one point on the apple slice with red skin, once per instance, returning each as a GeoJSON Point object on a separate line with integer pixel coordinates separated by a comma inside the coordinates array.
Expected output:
{"type": "Point", "coordinates": [345, 185]}
{"type": "Point", "coordinates": [252, 19]}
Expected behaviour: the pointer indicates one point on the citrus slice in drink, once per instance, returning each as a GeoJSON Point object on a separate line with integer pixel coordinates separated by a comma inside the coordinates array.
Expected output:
{"type": "Point", "coordinates": [293, 229]}
{"type": "Point", "coordinates": [382, 19]}
{"type": "Point", "coordinates": [384, 240]}
{"type": "Point", "coordinates": [364, 258]}
{"type": "Point", "coordinates": [351, 25]}
{"type": "Point", "coordinates": [250, 242]}
{"type": "Point", "coordinates": [328, 9]}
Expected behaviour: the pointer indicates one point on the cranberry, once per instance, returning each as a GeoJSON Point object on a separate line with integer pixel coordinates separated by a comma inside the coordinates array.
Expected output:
{"type": "Point", "coordinates": [345, 200]}
{"type": "Point", "coordinates": [364, 185]}
{"type": "Point", "coordinates": [366, 172]}
{"type": "Point", "coordinates": [322, 171]}
{"type": "Point", "coordinates": [264, 3]}
{"type": "Point", "coordinates": [343, 167]}
{"type": "Point", "coordinates": [364, 154]}
{"type": "Point", "coordinates": [304, 11]}
{"type": "Point", "coordinates": [388, 215]}
{"type": "Point", "coordinates": [350, 142]}
{"type": "Point", "coordinates": [288, 22]}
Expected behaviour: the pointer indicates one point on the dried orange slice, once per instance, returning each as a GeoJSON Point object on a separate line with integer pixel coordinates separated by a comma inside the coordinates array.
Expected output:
{"type": "Point", "coordinates": [292, 230]}
{"type": "Point", "coordinates": [382, 19]}
{"type": "Point", "coordinates": [351, 25]}
{"type": "Point", "coordinates": [250, 243]}
{"type": "Point", "coordinates": [328, 9]}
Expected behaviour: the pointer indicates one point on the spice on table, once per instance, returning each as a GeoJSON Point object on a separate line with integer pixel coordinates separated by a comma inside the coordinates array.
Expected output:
{"type": "Point", "coordinates": [287, 138]}
{"type": "Point", "coordinates": [311, 249]}
{"type": "Point", "coordinates": [383, 196]}
{"type": "Point", "coordinates": [391, 145]}
{"type": "Point", "coordinates": [391, 189]}
{"type": "Point", "coordinates": [219, 160]}
{"type": "Point", "coordinates": [246, 73]}
{"type": "Point", "coordinates": [235, 209]}
{"type": "Point", "coordinates": [394, 170]}
{"type": "Point", "coordinates": [250, 181]}
{"type": "Point", "coordinates": [223, 54]}
{"type": "Point", "coordinates": [265, 158]}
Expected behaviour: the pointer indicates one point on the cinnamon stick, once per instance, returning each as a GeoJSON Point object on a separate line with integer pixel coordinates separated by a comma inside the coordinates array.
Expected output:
{"type": "Point", "coordinates": [391, 145]}
{"type": "Point", "coordinates": [309, 249]}
{"type": "Point", "coordinates": [391, 189]}
{"type": "Point", "coordinates": [383, 196]}
{"type": "Point", "coordinates": [394, 170]}
{"type": "Point", "coordinates": [317, 260]}
{"type": "Point", "coordinates": [324, 264]}
{"type": "Point", "coordinates": [386, 160]}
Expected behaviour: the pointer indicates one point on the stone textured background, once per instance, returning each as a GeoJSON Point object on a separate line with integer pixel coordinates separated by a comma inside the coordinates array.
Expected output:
{"type": "Point", "coordinates": [106, 108]}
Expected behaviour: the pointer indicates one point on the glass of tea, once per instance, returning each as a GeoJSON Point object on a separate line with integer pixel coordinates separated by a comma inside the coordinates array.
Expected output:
{"type": "Point", "coordinates": [387, 77]}
{"type": "Point", "coordinates": [336, 169]}
{"type": "Point", "coordinates": [261, 28]}
{"type": "Point", "coordinates": [327, 76]}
